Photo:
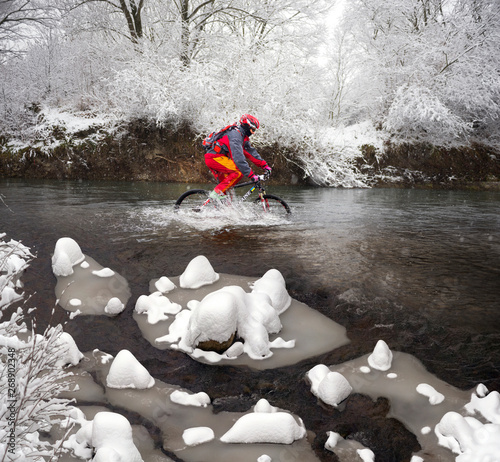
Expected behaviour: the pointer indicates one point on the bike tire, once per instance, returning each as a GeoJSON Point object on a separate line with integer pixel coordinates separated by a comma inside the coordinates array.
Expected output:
{"type": "Point", "coordinates": [191, 200]}
{"type": "Point", "coordinates": [274, 204]}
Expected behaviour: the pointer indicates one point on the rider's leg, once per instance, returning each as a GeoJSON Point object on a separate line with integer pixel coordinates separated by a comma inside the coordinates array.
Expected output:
{"type": "Point", "coordinates": [225, 170]}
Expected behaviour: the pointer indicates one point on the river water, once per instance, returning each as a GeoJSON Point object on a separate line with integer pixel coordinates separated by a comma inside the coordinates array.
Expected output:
{"type": "Point", "coordinates": [420, 269]}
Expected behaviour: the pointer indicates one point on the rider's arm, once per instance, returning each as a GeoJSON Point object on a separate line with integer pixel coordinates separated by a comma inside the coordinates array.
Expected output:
{"type": "Point", "coordinates": [235, 139]}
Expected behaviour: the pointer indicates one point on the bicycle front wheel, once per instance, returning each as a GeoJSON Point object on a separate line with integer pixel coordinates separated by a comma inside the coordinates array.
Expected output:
{"type": "Point", "coordinates": [273, 204]}
{"type": "Point", "coordinates": [192, 200]}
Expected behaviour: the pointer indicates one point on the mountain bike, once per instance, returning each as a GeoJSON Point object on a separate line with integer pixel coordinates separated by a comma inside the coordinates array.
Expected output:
{"type": "Point", "coordinates": [198, 200]}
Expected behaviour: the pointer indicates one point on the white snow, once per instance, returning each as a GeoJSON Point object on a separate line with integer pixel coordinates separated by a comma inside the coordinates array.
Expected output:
{"type": "Point", "coordinates": [198, 273]}
{"type": "Point", "coordinates": [214, 318]}
{"type": "Point", "coordinates": [430, 392]}
{"type": "Point", "coordinates": [127, 372]}
{"type": "Point", "coordinates": [331, 387]}
{"type": "Point", "coordinates": [69, 352]}
{"type": "Point", "coordinates": [273, 284]}
{"type": "Point", "coordinates": [156, 306]}
{"type": "Point", "coordinates": [332, 440]}
{"type": "Point", "coordinates": [366, 455]}
{"type": "Point", "coordinates": [67, 253]}
{"type": "Point", "coordinates": [164, 285]}
{"type": "Point", "coordinates": [200, 399]}
{"type": "Point", "coordinates": [265, 427]}
{"type": "Point", "coordinates": [113, 307]}
{"type": "Point", "coordinates": [104, 273]}
{"type": "Point", "coordinates": [85, 284]}
{"type": "Point", "coordinates": [197, 435]}
{"type": "Point", "coordinates": [381, 358]}
{"type": "Point", "coordinates": [112, 437]}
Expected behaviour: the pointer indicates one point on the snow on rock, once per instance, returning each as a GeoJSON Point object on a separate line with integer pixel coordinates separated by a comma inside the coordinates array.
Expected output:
{"type": "Point", "coordinates": [68, 351]}
{"type": "Point", "coordinates": [265, 427]}
{"type": "Point", "coordinates": [226, 311]}
{"type": "Point", "coordinates": [127, 372]}
{"type": "Point", "coordinates": [366, 455]}
{"type": "Point", "coordinates": [164, 285]}
{"type": "Point", "coordinates": [331, 387]}
{"type": "Point", "coordinates": [430, 392]}
{"type": "Point", "coordinates": [488, 406]}
{"type": "Point", "coordinates": [113, 307]}
{"type": "Point", "coordinates": [88, 286]}
{"type": "Point", "coordinates": [381, 358]}
{"type": "Point", "coordinates": [214, 318]}
{"type": "Point", "coordinates": [273, 284]}
{"type": "Point", "coordinates": [264, 458]}
{"type": "Point", "coordinates": [156, 306]}
{"type": "Point", "coordinates": [332, 440]}
{"type": "Point", "coordinates": [107, 455]}
{"type": "Point", "coordinates": [469, 437]}
{"type": "Point", "coordinates": [200, 399]}
{"type": "Point", "coordinates": [264, 406]}
{"type": "Point", "coordinates": [67, 253]}
{"type": "Point", "coordinates": [197, 435]}
{"type": "Point", "coordinates": [104, 273]}
{"type": "Point", "coordinates": [113, 432]}
{"type": "Point", "coordinates": [198, 273]}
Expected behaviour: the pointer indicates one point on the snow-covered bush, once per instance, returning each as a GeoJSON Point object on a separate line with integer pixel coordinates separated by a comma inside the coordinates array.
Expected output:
{"type": "Point", "coordinates": [32, 374]}
{"type": "Point", "coordinates": [417, 112]}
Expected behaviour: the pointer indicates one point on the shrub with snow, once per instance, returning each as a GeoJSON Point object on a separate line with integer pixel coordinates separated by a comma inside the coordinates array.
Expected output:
{"type": "Point", "coordinates": [32, 376]}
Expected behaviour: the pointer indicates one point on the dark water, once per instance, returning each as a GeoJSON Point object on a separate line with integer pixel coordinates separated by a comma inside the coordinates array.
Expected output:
{"type": "Point", "coordinates": [420, 269]}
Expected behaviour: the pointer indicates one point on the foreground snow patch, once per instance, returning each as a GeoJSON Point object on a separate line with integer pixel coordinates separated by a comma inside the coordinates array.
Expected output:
{"type": "Point", "coordinates": [265, 427]}
{"type": "Point", "coordinates": [112, 438]}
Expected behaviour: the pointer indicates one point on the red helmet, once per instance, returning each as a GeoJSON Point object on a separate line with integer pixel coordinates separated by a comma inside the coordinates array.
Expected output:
{"type": "Point", "coordinates": [249, 120]}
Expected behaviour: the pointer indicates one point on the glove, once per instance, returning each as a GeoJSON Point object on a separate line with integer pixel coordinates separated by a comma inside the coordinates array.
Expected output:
{"type": "Point", "coordinates": [269, 169]}
{"type": "Point", "coordinates": [254, 178]}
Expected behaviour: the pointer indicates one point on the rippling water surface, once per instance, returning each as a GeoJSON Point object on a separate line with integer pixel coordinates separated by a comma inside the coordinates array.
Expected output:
{"type": "Point", "coordinates": [419, 268]}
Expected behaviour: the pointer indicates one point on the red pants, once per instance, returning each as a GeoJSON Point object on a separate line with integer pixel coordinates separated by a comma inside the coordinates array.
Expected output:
{"type": "Point", "coordinates": [224, 169]}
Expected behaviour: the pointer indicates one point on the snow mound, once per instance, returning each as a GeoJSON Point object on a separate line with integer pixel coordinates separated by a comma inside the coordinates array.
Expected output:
{"type": "Point", "coordinates": [265, 427]}
{"type": "Point", "coordinates": [273, 284]}
{"type": "Point", "coordinates": [226, 311]}
{"type": "Point", "coordinates": [156, 306]}
{"type": "Point", "coordinates": [430, 392]}
{"type": "Point", "coordinates": [113, 307]}
{"type": "Point", "coordinates": [67, 253]}
{"type": "Point", "coordinates": [200, 399]}
{"type": "Point", "coordinates": [197, 435]}
{"type": "Point", "coordinates": [331, 387]}
{"type": "Point", "coordinates": [112, 438]}
{"type": "Point", "coordinates": [127, 372]}
{"type": "Point", "coordinates": [381, 358]}
{"type": "Point", "coordinates": [214, 318]}
{"type": "Point", "coordinates": [198, 273]}
{"type": "Point", "coordinates": [68, 351]}
{"type": "Point", "coordinates": [164, 285]}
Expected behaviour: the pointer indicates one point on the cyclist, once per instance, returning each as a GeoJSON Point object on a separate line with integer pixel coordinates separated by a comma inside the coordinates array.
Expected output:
{"type": "Point", "coordinates": [228, 156]}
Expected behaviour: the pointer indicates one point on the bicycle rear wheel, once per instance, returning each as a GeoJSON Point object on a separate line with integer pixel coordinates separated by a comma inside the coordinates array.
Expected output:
{"type": "Point", "coordinates": [192, 200]}
{"type": "Point", "coordinates": [273, 204]}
